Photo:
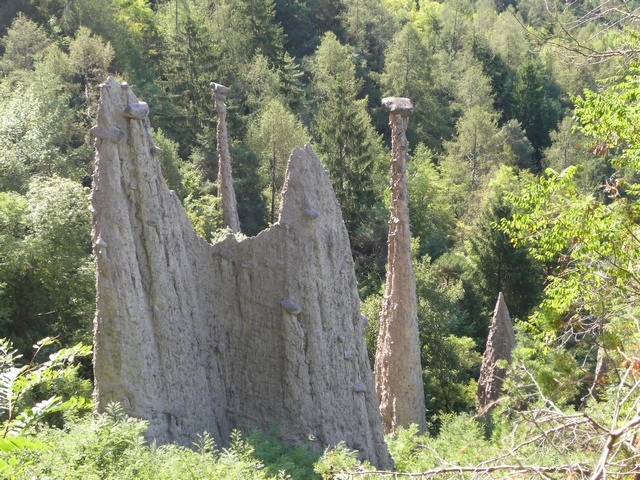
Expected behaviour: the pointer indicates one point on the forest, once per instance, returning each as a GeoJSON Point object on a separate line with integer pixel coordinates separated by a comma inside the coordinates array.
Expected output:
{"type": "Point", "coordinates": [523, 177]}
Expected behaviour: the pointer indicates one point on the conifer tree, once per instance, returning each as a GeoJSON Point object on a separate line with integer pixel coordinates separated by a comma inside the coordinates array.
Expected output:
{"type": "Point", "coordinates": [274, 134]}
{"type": "Point", "coordinates": [535, 107]}
{"type": "Point", "coordinates": [407, 73]}
{"type": "Point", "coordinates": [498, 265]}
{"type": "Point", "coordinates": [189, 64]}
{"type": "Point", "coordinates": [348, 144]}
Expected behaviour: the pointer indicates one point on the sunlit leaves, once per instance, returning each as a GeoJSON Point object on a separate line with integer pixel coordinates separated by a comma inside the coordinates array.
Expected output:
{"type": "Point", "coordinates": [45, 261]}
{"type": "Point", "coordinates": [18, 382]}
{"type": "Point", "coordinates": [612, 117]}
{"type": "Point", "coordinates": [273, 135]}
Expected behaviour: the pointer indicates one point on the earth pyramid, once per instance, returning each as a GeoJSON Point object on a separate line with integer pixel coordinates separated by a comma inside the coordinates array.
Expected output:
{"type": "Point", "coordinates": [500, 344]}
{"type": "Point", "coordinates": [259, 331]}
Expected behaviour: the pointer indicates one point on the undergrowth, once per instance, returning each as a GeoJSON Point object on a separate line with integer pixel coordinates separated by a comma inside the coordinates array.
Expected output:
{"type": "Point", "coordinates": [112, 446]}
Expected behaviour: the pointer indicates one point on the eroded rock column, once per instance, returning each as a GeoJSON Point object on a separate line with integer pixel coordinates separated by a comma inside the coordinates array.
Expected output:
{"type": "Point", "coordinates": [500, 344]}
{"type": "Point", "coordinates": [397, 368]}
{"type": "Point", "coordinates": [256, 332]}
{"type": "Point", "coordinates": [225, 180]}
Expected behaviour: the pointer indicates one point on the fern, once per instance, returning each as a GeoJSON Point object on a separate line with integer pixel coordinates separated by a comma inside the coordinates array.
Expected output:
{"type": "Point", "coordinates": [18, 382]}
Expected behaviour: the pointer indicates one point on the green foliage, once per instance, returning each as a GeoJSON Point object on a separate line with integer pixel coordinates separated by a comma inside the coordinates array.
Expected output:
{"type": "Point", "coordinates": [371, 307]}
{"type": "Point", "coordinates": [21, 408]}
{"type": "Point", "coordinates": [519, 145]}
{"type": "Point", "coordinates": [557, 372]}
{"type": "Point", "coordinates": [89, 56]}
{"type": "Point", "coordinates": [591, 241]}
{"type": "Point", "coordinates": [205, 214]}
{"type": "Point", "coordinates": [477, 151]}
{"type": "Point", "coordinates": [369, 27]}
{"type": "Point", "coordinates": [274, 134]}
{"type": "Point", "coordinates": [407, 73]}
{"type": "Point", "coordinates": [569, 147]}
{"type": "Point", "coordinates": [460, 442]}
{"type": "Point", "coordinates": [535, 105]}
{"type": "Point", "coordinates": [609, 117]}
{"type": "Point", "coordinates": [482, 101]}
{"type": "Point", "coordinates": [38, 132]}
{"type": "Point", "coordinates": [260, 82]}
{"type": "Point", "coordinates": [15, 443]}
{"type": "Point", "coordinates": [46, 262]}
{"type": "Point", "coordinates": [112, 446]}
{"type": "Point", "coordinates": [432, 215]}
{"type": "Point", "coordinates": [498, 265]}
{"type": "Point", "coordinates": [188, 66]}
{"type": "Point", "coordinates": [336, 459]}
{"type": "Point", "coordinates": [349, 146]}
{"type": "Point", "coordinates": [172, 164]}
{"type": "Point", "coordinates": [24, 42]}
{"type": "Point", "coordinates": [252, 209]}
{"type": "Point", "coordinates": [279, 459]}
{"type": "Point", "coordinates": [448, 360]}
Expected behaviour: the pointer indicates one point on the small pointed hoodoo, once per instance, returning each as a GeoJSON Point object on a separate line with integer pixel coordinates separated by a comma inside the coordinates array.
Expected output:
{"type": "Point", "coordinates": [500, 344]}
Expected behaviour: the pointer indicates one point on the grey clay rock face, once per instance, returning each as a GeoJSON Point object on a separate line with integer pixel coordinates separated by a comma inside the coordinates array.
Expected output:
{"type": "Point", "coordinates": [500, 344]}
{"type": "Point", "coordinates": [192, 339]}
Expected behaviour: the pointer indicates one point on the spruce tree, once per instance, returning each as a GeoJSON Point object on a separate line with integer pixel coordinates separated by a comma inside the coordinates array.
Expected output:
{"type": "Point", "coordinates": [407, 73]}
{"type": "Point", "coordinates": [498, 265]}
{"type": "Point", "coordinates": [348, 144]}
{"type": "Point", "coordinates": [273, 135]}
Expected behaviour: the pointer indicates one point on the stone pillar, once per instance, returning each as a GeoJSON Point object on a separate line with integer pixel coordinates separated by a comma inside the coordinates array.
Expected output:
{"type": "Point", "coordinates": [225, 180]}
{"type": "Point", "coordinates": [500, 343]}
{"type": "Point", "coordinates": [193, 336]}
{"type": "Point", "coordinates": [397, 368]}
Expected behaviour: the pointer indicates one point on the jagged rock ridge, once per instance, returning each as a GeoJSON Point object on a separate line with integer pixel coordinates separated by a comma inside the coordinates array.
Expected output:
{"type": "Point", "coordinates": [500, 343]}
{"type": "Point", "coordinates": [193, 336]}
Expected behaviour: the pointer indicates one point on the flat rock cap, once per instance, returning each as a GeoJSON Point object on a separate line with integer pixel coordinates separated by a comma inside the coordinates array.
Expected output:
{"type": "Point", "coordinates": [398, 105]}
{"type": "Point", "coordinates": [219, 89]}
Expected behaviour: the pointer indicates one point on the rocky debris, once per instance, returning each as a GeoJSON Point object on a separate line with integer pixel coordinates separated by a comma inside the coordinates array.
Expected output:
{"type": "Point", "coordinates": [226, 191]}
{"type": "Point", "coordinates": [397, 366]}
{"type": "Point", "coordinates": [193, 341]}
{"type": "Point", "coordinates": [500, 344]}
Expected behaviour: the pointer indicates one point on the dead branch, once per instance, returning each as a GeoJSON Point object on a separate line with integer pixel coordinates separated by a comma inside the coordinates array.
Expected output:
{"type": "Point", "coordinates": [575, 468]}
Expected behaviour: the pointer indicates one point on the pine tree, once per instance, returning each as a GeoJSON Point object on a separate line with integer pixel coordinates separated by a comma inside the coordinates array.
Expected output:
{"type": "Point", "coordinates": [189, 64]}
{"type": "Point", "coordinates": [273, 135]}
{"type": "Point", "coordinates": [348, 144]}
{"type": "Point", "coordinates": [407, 73]}
{"type": "Point", "coordinates": [535, 106]}
{"type": "Point", "coordinates": [498, 265]}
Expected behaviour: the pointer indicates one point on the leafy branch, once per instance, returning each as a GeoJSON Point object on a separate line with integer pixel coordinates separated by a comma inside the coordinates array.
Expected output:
{"type": "Point", "coordinates": [16, 382]}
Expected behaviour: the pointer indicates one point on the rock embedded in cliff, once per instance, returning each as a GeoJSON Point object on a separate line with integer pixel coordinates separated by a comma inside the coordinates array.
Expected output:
{"type": "Point", "coordinates": [136, 110]}
{"type": "Point", "coordinates": [500, 344]}
{"type": "Point", "coordinates": [192, 340]}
